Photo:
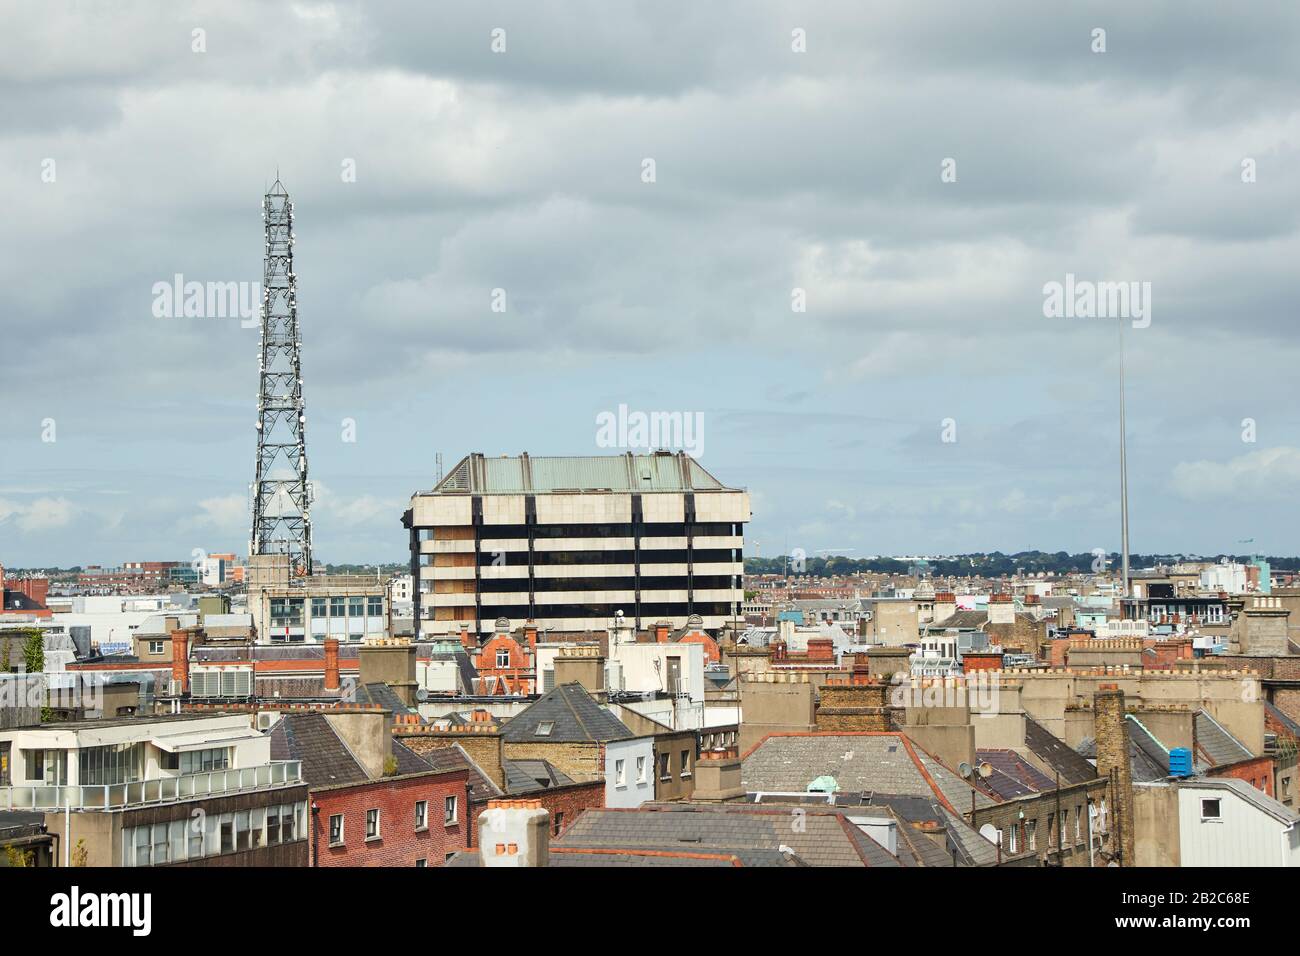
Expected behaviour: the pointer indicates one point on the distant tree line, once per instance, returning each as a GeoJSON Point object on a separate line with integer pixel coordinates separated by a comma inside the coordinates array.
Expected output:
{"type": "Point", "coordinates": [991, 564]}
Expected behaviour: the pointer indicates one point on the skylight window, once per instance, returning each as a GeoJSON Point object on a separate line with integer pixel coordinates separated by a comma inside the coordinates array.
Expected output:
{"type": "Point", "coordinates": [544, 728]}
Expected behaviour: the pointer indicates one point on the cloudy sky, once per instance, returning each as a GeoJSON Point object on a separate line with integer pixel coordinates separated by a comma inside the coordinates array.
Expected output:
{"type": "Point", "coordinates": [795, 146]}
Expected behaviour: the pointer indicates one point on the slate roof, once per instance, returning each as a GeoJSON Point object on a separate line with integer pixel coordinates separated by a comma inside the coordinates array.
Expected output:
{"type": "Point", "coordinates": [1215, 744]}
{"type": "Point", "coordinates": [480, 786]}
{"type": "Point", "coordinates": [1148, 758]}
{"type": "Point", "coordinates": [670, 857]}
{"type": "Point", "coordinates": [1057, 754]}
{"type": "Point", "coordinates": [861, 762]}
{"type": "Point", "coordinates": [1290, 725]}
{"type": "Point", "coordinates": [526, 775]}
{"type": "Point", "coordinates": [1013, 775]}
{"type": "Point", "coordinates": [826, 838]}
{"type": "Point", "coordinates": [963, 620]}
{"type": "Point", "coordinates": [326, 759]}
{"type": "Point", "coordinates": [380, 694]}
{"type": "Point", "coordinates": [575, 717]}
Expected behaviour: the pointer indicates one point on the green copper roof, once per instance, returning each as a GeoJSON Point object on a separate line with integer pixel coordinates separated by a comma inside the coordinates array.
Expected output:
{"type": "Point", "coordinates": [523, 474]}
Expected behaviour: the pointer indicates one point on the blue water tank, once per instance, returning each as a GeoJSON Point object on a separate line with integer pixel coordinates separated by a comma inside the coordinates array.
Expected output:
{"type": "Point", "coordinates": [1180, 762]}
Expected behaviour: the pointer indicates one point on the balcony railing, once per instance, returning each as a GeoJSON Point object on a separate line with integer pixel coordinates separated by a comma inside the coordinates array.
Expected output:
{"type": "Point", "coordinates": [187, 786]}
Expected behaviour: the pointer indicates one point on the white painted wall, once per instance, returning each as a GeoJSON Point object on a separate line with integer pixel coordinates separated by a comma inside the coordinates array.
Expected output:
{"type": "Point", "coordinates": [637, 786]}
{"type": "Point", "coordinates": [1243, 835]}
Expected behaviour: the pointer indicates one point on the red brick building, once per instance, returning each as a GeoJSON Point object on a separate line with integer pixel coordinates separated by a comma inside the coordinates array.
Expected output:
{"type": "Point", "coordinates": [506, 665]}
{"type": "Point", "coordinates": [373, 801]}
{"type": "Point", "coordinates": [416, 819]}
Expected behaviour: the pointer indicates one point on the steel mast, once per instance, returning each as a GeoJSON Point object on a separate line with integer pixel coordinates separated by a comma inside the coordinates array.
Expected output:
{"type": "Point", "coordinates": [281, 493]}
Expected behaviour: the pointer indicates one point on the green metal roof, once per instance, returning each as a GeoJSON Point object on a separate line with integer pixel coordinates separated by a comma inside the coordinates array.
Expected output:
{"type": "Point", "coordinates": [523, 474]}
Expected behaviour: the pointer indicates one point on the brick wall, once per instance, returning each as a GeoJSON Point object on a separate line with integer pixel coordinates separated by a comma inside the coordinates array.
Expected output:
{"type": "Point", "coordinates": [399, 843]}
{"type": "Point", "coordinates": [578, 760]}
{"type": "Point", "coordinates": [853, 707]}
{"type": "Point", "coordinates": [569, 801]}
{"type": "Point", "coordinates": [1257, 772]}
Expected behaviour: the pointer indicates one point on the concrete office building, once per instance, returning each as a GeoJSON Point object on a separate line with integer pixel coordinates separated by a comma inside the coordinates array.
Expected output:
{"type": "Point", "coordinates": [569, 542]}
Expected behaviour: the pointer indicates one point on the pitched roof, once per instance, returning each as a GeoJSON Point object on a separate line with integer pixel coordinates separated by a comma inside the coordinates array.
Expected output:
{"type": "Point", "coordinates": [480, 786]}
{"type": "Point", "coordinates": [523, 776]}
{"type": "Point", "coordinates": [326, 759]}
{"type": "Point", "coordinates": [825, 837]}
{"type": "Point", "coordinates": [524, 474]}
{"type": "Point", "coordinates": [1013, 775]}
{"type": "Point", "coordinates": [1057, 754]}
{"type": "Point", "coordinates": [1256, 798]}
{"type": "Point", "coordinates": [574, 716]}
{"type": "Point", "coordinates": [1215, 744]}
{"type": "Point", "coordinates": [859, 762]}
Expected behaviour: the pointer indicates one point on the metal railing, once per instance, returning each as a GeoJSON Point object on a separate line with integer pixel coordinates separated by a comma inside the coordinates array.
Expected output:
{"type": "Point", "coordinates": [144, 792]}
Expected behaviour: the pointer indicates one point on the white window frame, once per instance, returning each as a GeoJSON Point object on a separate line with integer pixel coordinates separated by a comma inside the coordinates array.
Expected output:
{"type": "Point", "coordinates": [450, 811]}
{"type": "Point", "coordinates": [342, 824]}
{"type": "Point", "coordinates": [421, 815]}
{"type": "Point", "coordinates": [375, 815]}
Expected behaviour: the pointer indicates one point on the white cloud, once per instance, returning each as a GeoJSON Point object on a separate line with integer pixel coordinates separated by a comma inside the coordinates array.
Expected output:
{"type": "Point", "coordinates": [1269, 473]}
{"type": "Point", "coordinates": [43, 514]}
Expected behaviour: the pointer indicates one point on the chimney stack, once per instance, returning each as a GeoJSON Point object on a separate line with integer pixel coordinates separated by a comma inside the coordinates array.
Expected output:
{"type": "Point", "coordinates": [181, 660]}
{"type": "Point", "coordinates": [1111, 732]}
{"type": "Point", "coordinates": [717, 776]}
{"type": "Point", "coordinates": [515, 833]}
{"type": "Point", "coordinates": [661, 632]}
{"type": "Point", "coordinates": [331, 663]}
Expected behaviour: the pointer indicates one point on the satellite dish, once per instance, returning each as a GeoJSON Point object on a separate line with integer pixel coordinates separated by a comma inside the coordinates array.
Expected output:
{"type": "Point", "coordinates": [986, 770]}
{"type": "Point", "coordinates": [990, 833]}
{"type": "Point", "coordinates": [964, 769]}
{"type": "Point", "coordinates": [421, 695]}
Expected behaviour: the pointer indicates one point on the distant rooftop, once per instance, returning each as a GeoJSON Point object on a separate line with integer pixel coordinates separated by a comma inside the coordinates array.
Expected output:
{"type": "Point", "coordinates": [523, 474]}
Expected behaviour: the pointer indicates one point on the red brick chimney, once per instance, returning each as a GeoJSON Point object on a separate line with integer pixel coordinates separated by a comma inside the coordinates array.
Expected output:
{"type": "Point", "coordinates": [530, 634]}
{"type": "Point", "coordinates": [181, 660]}
{"type": "Point", "coordinates": [331, 663]}
{"type": "Point", "coordinates": [467, 642]}
{"type": "Point", "coordinates": [661, 632]}
{"type": "Point", "coordinates": [821, 649]}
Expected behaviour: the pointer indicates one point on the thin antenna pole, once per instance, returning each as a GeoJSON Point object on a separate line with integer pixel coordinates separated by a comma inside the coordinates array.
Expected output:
{"type": "Point", "coordinates": [1123, 469]}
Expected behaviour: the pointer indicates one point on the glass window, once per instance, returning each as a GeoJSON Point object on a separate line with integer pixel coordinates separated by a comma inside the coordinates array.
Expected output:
{"type": "Point", "coordinates": [372, 824]}
{"type": "Point", "coordinates": [194, 835]}
{"type": "Point", "coordinates": [257, 827]}
{"type": "Point", "coordinates": [421, 814]}
{"type": "Point", "coordinates": [336, 829]}
{"type": "Point", "coordinates": [227, 833]}
{"type": "Point", "coordinates": [356, 607]}
{"type": "Point", "coordinates": [176, 837]}
{"type": "Point", "coordinates": [338, 607]}
{"type": "Point", "coordinates": [686, 763]}
{"type": "Point", "coordinates": [449, 812]}
{"type": "Point", "coordinates": [620, 776]}
{"type": "Point", "coordinates": [318, 607]}
{"type": "Point", "coordinates": [375, 606]}
{"type": "Point", "coordinates": [241, 830]}
{"type": "Point", "coordinates": [272, 826]}
{"type": "Point", "coordinates": [1210, 809]}
{"type": "Point", "coordinates": [160, 845]}
{"type": "Point", "coordinates": [640, 769]}
{"type": "Point", "coordinates": [141, 846]}
{"type": "Point", "coordinates": [288, 823]}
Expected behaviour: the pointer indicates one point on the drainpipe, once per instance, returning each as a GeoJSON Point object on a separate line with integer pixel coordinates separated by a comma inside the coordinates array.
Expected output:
{"type": "Point", "coordinates": [316, 840]}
